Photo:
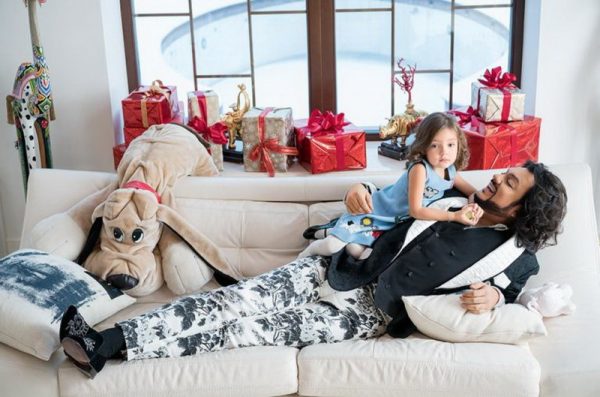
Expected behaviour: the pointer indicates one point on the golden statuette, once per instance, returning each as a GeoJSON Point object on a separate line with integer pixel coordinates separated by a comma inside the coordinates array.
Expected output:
{"type": "Point", "coordinates": [233, 118]}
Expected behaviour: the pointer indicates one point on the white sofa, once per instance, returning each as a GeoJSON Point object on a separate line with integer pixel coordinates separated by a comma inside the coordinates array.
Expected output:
{"type": "Point", "coordinates": [258, 222]}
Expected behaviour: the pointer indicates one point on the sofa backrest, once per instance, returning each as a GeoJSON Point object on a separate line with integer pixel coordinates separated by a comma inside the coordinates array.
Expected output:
{"type": "Point", "coordinates": [258, 221]}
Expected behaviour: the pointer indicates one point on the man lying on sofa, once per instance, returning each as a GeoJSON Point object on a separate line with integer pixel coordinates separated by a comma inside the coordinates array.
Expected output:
{"type": "Point", "coordinates": [524, 208]}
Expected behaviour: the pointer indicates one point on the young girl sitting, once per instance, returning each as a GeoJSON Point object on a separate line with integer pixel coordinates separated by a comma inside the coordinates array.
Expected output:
{"type": "Point", "coordinates": [439, 150]}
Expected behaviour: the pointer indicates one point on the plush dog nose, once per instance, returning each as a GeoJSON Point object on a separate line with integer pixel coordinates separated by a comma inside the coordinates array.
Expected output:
{"type": "Point", "coordinates": [122, 281]}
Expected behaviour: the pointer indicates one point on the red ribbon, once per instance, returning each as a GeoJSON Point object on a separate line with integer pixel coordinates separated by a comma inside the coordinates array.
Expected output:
{"type": "Point", "coordinates": [326, 122]}
{"type": "Point", "coordinates": [142, 186]}
{"type": "Point", "coordinates": [469, 116]}
{"type": "Point", "coordinates": [261, 150]}
{"type": "Point", "coordinates": [214, 133]}
{"type": "Point", "coordinates": [495, 79]}
{"type": "Point", "coordinates": [330, 123]}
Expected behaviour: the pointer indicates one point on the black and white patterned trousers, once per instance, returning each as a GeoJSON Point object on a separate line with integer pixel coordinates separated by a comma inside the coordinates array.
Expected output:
{"type": "Point", "coordinates": [289, 306]}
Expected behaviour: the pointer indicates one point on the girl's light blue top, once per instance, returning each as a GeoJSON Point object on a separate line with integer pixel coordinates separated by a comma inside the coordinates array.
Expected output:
{"type": "Point", "coordinates": [390, 205]}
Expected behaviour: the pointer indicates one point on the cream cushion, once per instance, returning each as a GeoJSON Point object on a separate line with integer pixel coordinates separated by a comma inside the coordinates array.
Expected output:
{"type": "Point", "coordinates": [441, 317]}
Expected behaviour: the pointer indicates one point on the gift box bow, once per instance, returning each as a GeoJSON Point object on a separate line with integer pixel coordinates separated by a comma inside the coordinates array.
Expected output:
{"type": "Point", "coordinates": [326, 123]}
{"type": "Point", "coordinates": [214, 133]}
{"type": "Point", "coordinates": [156, 89]}
{"type": "Point", "coordinates": [469, 116]}
{"type": "Point", "coordinates": [261, 150]}
{"type": "Point", "coordinates": [496, 79]}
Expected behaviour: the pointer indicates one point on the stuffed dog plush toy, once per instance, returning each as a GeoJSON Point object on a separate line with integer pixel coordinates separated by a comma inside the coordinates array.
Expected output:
{"type": "Point", "coordinates": [129, 233]}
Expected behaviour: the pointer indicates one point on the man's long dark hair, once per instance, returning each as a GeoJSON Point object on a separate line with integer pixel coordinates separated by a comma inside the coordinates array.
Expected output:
{"type": "Point", "coordinates": [538, 221]}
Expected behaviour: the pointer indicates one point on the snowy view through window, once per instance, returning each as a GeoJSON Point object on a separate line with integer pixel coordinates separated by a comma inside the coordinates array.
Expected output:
{"type": "Point", "coordinates": [422, 35]}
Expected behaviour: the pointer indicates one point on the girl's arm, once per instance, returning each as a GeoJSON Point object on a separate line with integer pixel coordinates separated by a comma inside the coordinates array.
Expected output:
{"type": "Point", "coordinates": [416, 185]}
{"type": "Point", "coordinates": [463, 186]}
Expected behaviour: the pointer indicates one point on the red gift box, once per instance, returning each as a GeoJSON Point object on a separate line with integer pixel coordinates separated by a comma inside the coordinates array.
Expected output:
{"type": "Point", "coordinates": [501, 145]}
{"type": "Point", "coordinates": [118, 152]}
{"type": "Point", "coordinates": [336, 149]}
{"type": "Point", "coordinates": [149, 105]}
{"type": "Point", "coordinates": [131, 133]}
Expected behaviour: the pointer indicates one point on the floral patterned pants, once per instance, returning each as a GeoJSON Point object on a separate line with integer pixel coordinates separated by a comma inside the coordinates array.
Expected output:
{"type": "Point", "coordinates": [290, 306]}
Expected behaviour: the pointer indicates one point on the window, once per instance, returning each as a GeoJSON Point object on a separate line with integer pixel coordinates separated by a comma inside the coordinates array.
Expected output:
{"type": "Point", "coordinates": [339, 55]}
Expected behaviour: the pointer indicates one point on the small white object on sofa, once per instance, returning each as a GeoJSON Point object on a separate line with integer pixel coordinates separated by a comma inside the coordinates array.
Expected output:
{"type": "Point", "coordinates": [259, 235]}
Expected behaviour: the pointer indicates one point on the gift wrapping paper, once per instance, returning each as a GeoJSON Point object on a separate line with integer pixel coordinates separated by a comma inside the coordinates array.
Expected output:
{"type": "Point", "coordinates": [145, 107]}
{"type": "Point", "coordinates": [130, 133]}
{"type": "Point", "coordinates": [498, 104]}
{"type": "Point", "coordinates": [277, 143]}
{"type": "Point", "coordinates": [331, 151]}
{"type": "Point", "coordinates": [501, 145]}
{"type": "Point", "coordinates": [118, 152]}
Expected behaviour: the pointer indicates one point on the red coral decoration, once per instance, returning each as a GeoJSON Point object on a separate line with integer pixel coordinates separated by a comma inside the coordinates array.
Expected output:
{"type": "Point", "coordinates": [408, 78]}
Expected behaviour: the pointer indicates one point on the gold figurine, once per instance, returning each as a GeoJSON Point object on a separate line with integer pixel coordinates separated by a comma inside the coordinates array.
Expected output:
{"type": "Point", "coordinates": [233, 118]}
{"type": "Point", "coordinates": [400, 125]}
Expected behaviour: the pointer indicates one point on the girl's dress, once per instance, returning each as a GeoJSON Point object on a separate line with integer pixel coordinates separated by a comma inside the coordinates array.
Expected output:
{"type": "Point", "coordinates": [390, 206]}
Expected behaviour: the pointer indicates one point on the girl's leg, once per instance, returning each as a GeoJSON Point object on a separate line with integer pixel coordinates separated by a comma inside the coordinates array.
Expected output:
{"type": "Point", "coordinates": [289, 286]}
{"type": "Point", "coordinates": [327, 246]}
{"type": "Point", "coordinates": [341, 316]}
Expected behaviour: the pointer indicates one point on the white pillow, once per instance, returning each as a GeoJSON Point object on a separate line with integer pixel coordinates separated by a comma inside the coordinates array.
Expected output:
{"type": "Point", "coordinates": [442, 317]}
{"type": "Point", "coordinates": [35, 290]}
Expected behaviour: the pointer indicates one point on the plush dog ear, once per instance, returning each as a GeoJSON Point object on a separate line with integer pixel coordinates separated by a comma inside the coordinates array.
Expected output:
{"type": "Point", "coordinates": [201, 244]}
{"type": "Point", "coordinates": [90, 243]}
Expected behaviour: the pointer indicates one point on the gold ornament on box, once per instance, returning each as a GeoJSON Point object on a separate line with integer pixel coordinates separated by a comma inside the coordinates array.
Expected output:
{"type": "Point", "coordinates": [400, 126]}
{"type": "Point", "coordinates": [233, 121]}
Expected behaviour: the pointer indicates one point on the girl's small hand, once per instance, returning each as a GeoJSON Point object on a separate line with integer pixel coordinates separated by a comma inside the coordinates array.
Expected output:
{"type": "Point", "coordinates": [468, 215]}
{"type": "Point", "coordinates": [358, 200]}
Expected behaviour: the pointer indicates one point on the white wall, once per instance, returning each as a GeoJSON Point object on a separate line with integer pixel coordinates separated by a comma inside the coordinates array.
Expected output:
{"type": "Point", "coordinates": [564, 76]}
{"type": "Point", "coordinates": [83, 45]}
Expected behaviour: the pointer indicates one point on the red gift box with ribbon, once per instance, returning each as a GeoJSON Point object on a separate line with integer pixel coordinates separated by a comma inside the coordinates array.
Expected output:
{"type": "Point", "coordinates": [149, 105]}
{"type": "Point", "coordinates": [496, 98]}
{"type": "Point", "coordinates": [326, 142]}
{"type": "Point", "coordinates": [130, 133]}
{"type": "Point", "coordinates": [499, 145]}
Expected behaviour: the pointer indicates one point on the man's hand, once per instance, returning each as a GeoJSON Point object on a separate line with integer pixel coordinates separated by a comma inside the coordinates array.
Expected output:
{"type": "Point", "coordinates": [358, 200]}
{"type": "Point", "coordinates": [480, 298]}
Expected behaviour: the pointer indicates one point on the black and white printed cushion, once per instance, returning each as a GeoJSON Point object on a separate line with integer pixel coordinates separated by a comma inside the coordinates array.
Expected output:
{"type": "Point", "coordinates": [35, 290]}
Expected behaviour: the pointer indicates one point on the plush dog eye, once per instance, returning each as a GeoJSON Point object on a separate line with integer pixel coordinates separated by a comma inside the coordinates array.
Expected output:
{"type": "Point", "coordinates": [137, 235]}
{"type": "Point", "coordinates": [118, 234]}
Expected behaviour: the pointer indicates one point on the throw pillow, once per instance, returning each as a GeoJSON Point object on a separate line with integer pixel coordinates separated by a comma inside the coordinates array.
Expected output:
{"type": "Point", "coordinates": [35, 290]}
{"type": "Point", "coordinates": [442, 317]}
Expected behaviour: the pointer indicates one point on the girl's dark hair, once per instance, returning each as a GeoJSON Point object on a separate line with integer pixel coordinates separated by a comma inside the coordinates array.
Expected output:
{"type": "Point", "coordinates": [427, 130]}
{"type": "Point", "coordinates": [543, 208]}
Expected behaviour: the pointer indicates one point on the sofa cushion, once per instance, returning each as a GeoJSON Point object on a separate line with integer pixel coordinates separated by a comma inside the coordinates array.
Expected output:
{"type": "Point", "coordinates": [442, 317]}
{"type": "Point", "coordinates": [253, 371]}
{"type": "Point", "coordinates": [416, 366]}
{"type": "Point", "coordinates": [254, 236]}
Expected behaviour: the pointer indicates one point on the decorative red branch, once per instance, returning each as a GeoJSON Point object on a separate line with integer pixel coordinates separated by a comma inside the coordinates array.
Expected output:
{"type": "Point", "coordinates": [408, 78]}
